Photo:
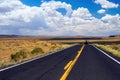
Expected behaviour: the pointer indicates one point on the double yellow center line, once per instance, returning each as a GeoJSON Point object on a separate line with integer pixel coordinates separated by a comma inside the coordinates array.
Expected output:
{"type": "Point", "coordinates": [71, 64]}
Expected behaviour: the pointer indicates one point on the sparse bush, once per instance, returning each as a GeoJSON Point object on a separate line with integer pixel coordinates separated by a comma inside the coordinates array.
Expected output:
{"type": "Point", "coordinates": [18, 55]}
{"type": "Point", "coordinates": [37, 50]}
{"type": "Point", "coordinates": [115, 47]}
{"type": "Point", "coordinates": [53, 47]}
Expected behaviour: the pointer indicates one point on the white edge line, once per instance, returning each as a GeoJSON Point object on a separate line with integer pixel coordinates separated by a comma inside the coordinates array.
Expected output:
{"type": "Point", "coordinates": [107, 54]}
{"type": "Point", "coordinates": [34, 59]}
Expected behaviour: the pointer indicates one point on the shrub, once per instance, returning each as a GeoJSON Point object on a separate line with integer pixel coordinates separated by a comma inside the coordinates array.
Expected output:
{"type": "Point", "coordinates": [115, 47]}
{"type": "Point", "coordinates": [18, 55]}
{"type": "Point", "coordinates": [37, 50]}
{"type": "Point", "coordinates": [53, 47]}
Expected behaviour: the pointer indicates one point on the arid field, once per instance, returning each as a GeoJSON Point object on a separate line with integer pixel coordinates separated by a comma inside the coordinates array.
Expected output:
{"type": "Point", "coordinates": [17, 49]}
{"type": "Point", "coordinates": [13, 51]}
{"type": "Point", "coordinates": [112, 48]}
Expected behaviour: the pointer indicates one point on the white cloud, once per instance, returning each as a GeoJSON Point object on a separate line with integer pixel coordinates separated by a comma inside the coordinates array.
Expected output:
{"type": "Point", "coordinates": [112, 20]}
{"type": "Point", "coordinates": [18, 18]}
{"type": "Point", "coordinates": [55, 5]}
{"type": "Point", "coordinates": [106, 4]}
{"type": "Point", "coordinates": [10, 5]}
{"type": "Point", "coordinates": [81, 13]}
{"type": "Point", "coordinates": [101, 11]}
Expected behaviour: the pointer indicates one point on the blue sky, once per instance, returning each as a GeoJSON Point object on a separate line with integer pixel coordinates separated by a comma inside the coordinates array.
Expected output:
{"type": "Point", "coordinates": [60, 17]}
{"type": "Point", "coordinates": [93, 8]}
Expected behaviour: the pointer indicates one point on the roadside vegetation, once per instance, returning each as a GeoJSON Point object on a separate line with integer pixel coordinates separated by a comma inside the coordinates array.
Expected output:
{"type": "Point", "coordinates": [15, 51]}
{"type": "Point", "coordinates": [113, 48]}
{"type": "Point", "coordinates": [18, 55]}
{"type": "Point", "coordinates": [37, 50]}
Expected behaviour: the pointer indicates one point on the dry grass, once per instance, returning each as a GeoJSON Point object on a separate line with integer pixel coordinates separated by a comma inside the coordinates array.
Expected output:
{"type": "Point", "coordinates": [11, 47]}
{"type": "Point", "coordinates": [113, 48]}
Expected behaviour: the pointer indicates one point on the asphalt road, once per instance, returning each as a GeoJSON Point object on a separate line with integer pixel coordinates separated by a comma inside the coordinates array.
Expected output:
{"type": "Point", "coordinates": [90, 64]}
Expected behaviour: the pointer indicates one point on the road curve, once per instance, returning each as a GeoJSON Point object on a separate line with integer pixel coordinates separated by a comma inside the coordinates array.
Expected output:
{"type": "Point", "coordinates": [88, 63]}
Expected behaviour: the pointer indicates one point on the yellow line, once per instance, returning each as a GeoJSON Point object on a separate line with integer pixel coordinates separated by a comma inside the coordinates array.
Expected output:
{"type": "Point", "coordinates": [68, 64]}
{"type": "Point", "coordinates": [64, 76]}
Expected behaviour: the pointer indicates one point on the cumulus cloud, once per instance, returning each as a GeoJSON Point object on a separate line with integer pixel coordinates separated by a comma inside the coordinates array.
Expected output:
{"type": "Point", "coordinates": [112, 20]}
{"type": "Point", "coordinates": [18, 18]}
{"type": "Point", "coordinates": [101, 11]}
{"type": "Point", "coordinates": [81, 13]}
{"type": "Point", "coordinates": [7, 6]}
{"type": "Point", "coordinates": [55, 5]}
{"type": "Point", "coordinates": [106, 4]}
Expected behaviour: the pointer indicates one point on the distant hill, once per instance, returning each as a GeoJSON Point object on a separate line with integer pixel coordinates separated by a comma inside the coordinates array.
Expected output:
{"type": "Point", "coordinates": [42, 37]}
{"type": "Point", "coordinates": [51, 37]}
{"type": "Point", "coordinates": [114, 36]}
{"type": "Point", "coordinates": [8, 36]}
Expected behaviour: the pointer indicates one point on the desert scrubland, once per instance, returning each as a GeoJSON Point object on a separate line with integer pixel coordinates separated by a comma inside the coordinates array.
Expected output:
{"type": "Point", "coordinates": [13, 51]}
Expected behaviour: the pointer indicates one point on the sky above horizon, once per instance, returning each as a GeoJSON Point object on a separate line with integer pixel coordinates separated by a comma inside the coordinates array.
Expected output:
{"type": "Point", "coordinates": [60, 17]}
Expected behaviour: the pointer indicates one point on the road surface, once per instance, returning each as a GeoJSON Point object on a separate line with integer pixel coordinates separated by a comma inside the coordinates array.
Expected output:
{"type": "Point", "coordinates": [80, 62]}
